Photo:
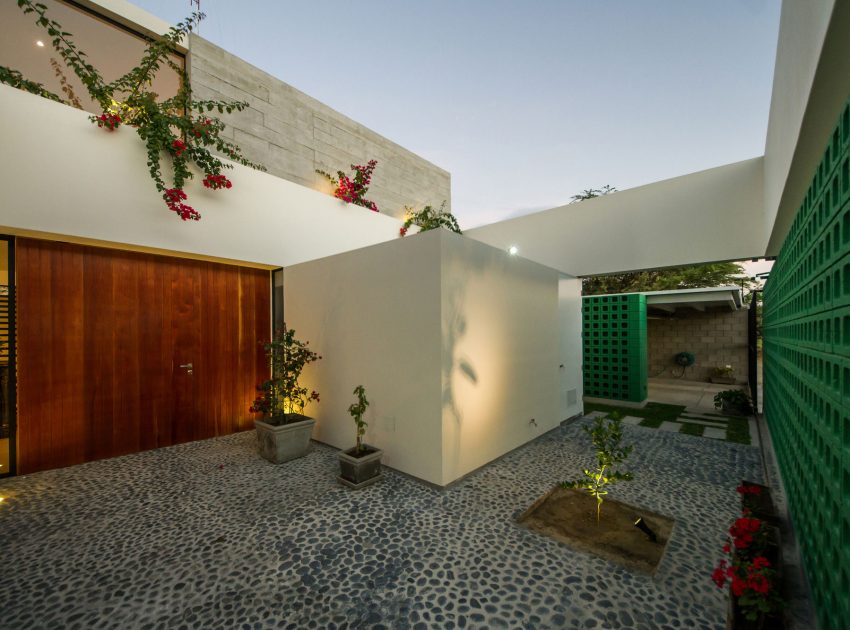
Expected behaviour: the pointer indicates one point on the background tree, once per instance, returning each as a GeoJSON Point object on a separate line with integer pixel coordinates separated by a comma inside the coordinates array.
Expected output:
{"type": "Point", "coordinates": [686, 277]}
{"type": "Point", "coordinates": [590, 193]}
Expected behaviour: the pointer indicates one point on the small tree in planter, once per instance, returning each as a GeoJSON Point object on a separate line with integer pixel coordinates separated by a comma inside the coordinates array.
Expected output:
{"type": "Point", "coordinates": [284, 432]}
{"type": "Point", "coordinates": [607, 438]}
{"type": "Point", "coordinates": [361, 465]}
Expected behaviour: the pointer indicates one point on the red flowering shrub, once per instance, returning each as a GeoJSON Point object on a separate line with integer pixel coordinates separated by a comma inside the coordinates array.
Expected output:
{"type": "Point", "coordinates": [174, 198]}
{"type": "Point", "coordinates": [202, 128]}
{"type": "Point", "coordinates": [178, 127]}
{"type": "Point", "coordinates": [108, 120]}
{"type": "Point", "coordinates": [216, 182]}
{"type": "Point", "coordinates": [751, 577]}
{"type": "Point", "coordinates": [742, 489]}
{"type": "Point", "coordinates": [353, 190]}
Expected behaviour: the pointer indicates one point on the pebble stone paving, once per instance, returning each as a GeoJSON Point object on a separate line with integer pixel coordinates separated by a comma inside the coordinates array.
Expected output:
{"type": "Point", "coordinates": [209, 535]}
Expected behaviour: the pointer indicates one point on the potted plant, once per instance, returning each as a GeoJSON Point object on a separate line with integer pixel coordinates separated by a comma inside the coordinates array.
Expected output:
{"type": "Point", "coordinates": [733, 401]}
{"type": "Point", "coordinates": [724, 375]}
{"type": "Point", "coordinates": [284, 432]}
{"type": "Point", "coordinates": [752, 569]}
{"type": "Point", "coordinates": [360, 465]}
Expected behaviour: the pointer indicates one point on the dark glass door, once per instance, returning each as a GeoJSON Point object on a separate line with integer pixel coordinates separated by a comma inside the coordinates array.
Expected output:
{"type": "Point", "coordinates": [7, 356]}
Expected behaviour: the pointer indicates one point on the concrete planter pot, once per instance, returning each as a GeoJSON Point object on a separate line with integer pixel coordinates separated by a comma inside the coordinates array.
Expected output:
{"type": "Point", "coordinates": [360, 471]}
{"type": "Point", "coordinates": [282, 438]}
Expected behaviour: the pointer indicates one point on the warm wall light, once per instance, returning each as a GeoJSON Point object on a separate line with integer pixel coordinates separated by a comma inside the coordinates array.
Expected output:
{"type": "Point", "coordinates": [39, 43]}
{"type": "Point", "coordinates": [512, 250]}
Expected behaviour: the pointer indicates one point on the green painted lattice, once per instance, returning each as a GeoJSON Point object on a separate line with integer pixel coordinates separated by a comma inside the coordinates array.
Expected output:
{"type": "Point", "coordinates": [614, 344]}
{"type": "Point", "coordinates": [807, 375]}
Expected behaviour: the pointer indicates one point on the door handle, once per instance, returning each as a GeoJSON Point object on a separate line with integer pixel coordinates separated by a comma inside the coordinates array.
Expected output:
{"type": "Point", "coordinates": [187, 365]}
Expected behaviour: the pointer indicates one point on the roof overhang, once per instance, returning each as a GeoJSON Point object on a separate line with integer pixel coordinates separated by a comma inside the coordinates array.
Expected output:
{"type": "Point", "coordinates": [697, 299]}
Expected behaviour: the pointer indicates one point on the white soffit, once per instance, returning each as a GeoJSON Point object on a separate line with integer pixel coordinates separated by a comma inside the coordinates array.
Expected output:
{"type": "Point", "coordinates": [708, 216]}
{"type": "Point", "coordinates": [697, 299]}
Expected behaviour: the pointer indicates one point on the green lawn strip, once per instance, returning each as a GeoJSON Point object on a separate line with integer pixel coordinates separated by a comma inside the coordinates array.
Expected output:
{"type": "Point", "coordinates": [698, 419]}
{"type": "Point", "coordinates": [738, 430]}
{"type": "Point", "coordinates": [653, 413]}
{"type": "Point", "coordinates": [652, 423]}
{"type": "Point", "coordinates": [692, 429]}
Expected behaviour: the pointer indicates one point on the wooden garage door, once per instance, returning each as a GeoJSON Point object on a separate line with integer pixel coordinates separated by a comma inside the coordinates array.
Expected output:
{"type": "Point", "coordinates": [102, 336]}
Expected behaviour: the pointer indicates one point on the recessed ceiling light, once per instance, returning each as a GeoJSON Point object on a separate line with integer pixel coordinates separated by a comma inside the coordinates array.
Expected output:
{"type": "Point", "coordinates": [39, 43]}
{"type": "Point", "coordinates": [512, 250]}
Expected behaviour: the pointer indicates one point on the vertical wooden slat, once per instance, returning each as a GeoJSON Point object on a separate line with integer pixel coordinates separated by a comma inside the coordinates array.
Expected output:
{"type": "Point", "coordinates": [99, 355]}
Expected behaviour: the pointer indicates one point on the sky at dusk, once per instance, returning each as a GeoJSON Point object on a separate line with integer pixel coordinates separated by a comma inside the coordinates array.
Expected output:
{"type": "Point", "coordinates": [525, 103]}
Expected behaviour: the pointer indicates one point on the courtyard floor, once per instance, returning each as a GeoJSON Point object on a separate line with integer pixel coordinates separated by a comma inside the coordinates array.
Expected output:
{"type": "Point", "coordinates": [207, 534]}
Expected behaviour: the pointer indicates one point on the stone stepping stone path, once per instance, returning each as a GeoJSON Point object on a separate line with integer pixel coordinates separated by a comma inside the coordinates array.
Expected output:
{"type": "Point", "coordinates": [715, 434]}
{"type": "Point", "coordinates": [673, 427]}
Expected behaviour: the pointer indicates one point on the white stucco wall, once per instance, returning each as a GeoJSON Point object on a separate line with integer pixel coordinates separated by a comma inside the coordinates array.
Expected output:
{"type": "Point", "coordinates": [571, 384]}
{"type": "Point", "coordinates": [711, 215]}
{"type": "Point", "coordinates": [500, 353]}
{"type": "Point", "coordinates": [374, 316]}
{"type": "Point", "coordinates": [455, 342]}
{"type": "Point", "coordinates": [61, 175]}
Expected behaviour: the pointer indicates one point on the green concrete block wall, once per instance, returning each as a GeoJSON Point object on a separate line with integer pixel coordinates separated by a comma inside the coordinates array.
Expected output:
{"type": "Point", "coordinates": [807, 375]}
{"type": "Point", "coordinates": [614, 346]}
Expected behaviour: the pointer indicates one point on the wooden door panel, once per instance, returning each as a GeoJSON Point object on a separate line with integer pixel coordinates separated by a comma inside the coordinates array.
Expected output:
{"type": "Point", "coordinates": [101, 334]}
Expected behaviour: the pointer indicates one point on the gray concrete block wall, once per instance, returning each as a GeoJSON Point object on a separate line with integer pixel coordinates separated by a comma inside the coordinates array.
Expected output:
{"type": "Point", "coordinates": [717, 338]}
{"type": "Point", "coordinates": [293, 134]}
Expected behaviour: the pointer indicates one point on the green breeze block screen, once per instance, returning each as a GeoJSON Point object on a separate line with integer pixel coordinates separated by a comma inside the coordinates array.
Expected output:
{"type": "Point", "coordinates": [614, 346]}
{"type": "Point", "coordinates": [807, 375]}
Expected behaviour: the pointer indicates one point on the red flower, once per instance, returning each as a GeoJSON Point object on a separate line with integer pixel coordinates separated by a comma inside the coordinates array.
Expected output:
{"type": "Point", "coordinates": [738, 586]}
{"type": "Point", "coordinates": [759, 583]}
{"type": "Point", "coordinates": [742, 489]}
{"type": "Point", "coordinates": [174, 195]}
{"type": "Point", "coordinates": [743, 541]}
{"type": "Point", "coordinates": [108, 120]}
{"type": "Point", "coordinates": [202, 128]}
{"type": "Point", "coordinates": [745, 525]}
{"type": "Point", "coordinates": [719, 574]}
{"type": "Point", "coordinates": [174, 198]}
{"type": "Point", "coordinates": [178, 146]}
{"type": "Point", "coordinates": [217, 181]}
{"type": "Point", "coordinates": [760, 562]}
{"type": "Point", "coordinates": [402, 231]}
{"type": "Point", "coordinates": [726, 548]}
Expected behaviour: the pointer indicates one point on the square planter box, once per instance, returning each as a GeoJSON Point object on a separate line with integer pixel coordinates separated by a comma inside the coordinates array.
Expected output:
{"type": "Point", "coordinates": [569, 516]}
{"type": "Point", "coordinates": [359, 472]}
{"type": "Point", "coordinates": [282, 438]}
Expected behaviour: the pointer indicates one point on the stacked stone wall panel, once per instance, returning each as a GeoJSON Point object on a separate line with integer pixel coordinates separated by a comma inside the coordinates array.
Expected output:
{"type": "Point", "coordinates": [716, 338]}
{"type": "Point", "coordinates": [293, 134]}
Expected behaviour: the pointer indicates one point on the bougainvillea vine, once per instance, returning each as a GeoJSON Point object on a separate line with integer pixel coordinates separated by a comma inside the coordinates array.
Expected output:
{"type": "Point", "coordinates": [354, 189]}
{"type": "Point", "coordinates": [177, 127]}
